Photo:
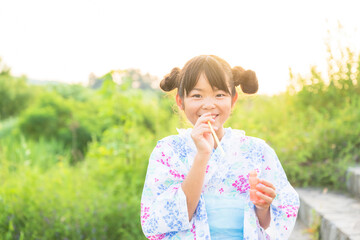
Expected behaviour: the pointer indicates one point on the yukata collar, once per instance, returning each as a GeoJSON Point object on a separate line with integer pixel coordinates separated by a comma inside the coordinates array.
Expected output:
{"type": "Point", "coordinates": [217, 159]}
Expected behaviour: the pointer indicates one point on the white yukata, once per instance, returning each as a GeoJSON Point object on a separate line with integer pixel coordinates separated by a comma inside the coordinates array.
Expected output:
{"type": "Point", "coordinates": [164, 212]}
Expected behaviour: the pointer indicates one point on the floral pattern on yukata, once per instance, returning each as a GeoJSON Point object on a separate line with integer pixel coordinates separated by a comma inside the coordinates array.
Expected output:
{"type": "Point", "coordinates": [163, 204]}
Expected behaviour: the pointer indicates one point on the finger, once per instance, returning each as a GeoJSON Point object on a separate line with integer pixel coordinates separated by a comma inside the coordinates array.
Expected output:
{"type": "Point", "coordinates": [267, 183]}
{"type": "Point", "coordinates": [260, 202]}
{"type": "Point", "coordinates": [208, 137]}
{"type": "Point", "coordinates": [206, 123]}
{"type": "Point", "coordinates": [264, 197]}
{"type": "Point", "coordinates": [203, 120]}
{"type": "Point", "coordinates": [200, 130]}
{"type": "Point", "coordinates": [206, 120]}
{"type": "Point", "coordinates": [266, 190]}
{"type": "Point", "coordinates": [206, 114]}
{"type": "Point", "coordinates": [206, 117]}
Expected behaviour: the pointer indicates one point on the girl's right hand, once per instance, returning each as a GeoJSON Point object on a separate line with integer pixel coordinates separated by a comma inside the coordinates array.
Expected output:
{"type": "Point", "coordinates": [201, 134]}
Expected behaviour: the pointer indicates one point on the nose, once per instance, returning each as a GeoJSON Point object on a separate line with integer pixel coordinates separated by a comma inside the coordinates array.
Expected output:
{"type": "Point", "coordinates": [208, 103]}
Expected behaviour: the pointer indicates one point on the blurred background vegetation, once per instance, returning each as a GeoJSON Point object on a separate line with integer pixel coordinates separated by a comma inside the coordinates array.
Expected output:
{"type": "Point", "coordinates": [73, 159]}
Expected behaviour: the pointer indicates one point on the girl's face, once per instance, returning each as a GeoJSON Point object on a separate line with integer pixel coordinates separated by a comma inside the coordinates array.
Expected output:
{"type": "Point", "coordinates": [203, 99]}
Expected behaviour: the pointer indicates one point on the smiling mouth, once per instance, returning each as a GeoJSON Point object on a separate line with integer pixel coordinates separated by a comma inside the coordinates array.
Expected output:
{"type": "Point", "coordinates": [213, 116]}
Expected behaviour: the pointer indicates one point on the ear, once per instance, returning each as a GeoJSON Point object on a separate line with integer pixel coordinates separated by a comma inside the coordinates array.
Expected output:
{"type": "Point", "coordinates": [234, 99]}
{"type": "Point", "coordinates": [179, 102]}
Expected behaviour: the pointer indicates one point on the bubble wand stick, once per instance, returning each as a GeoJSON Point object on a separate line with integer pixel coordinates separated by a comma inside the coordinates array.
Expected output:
{"type": "Point", "coordinates": [216, 138]}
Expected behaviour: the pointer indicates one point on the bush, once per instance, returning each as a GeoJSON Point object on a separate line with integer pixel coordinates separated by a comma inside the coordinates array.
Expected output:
{"type": "Point", "coordinates": [63, 204]}
{"type": "Point", "coordinates": [53, 118]}
{"type": "Point", "coordinates": [98, 198]}
{"type": "Point", "coordinates": [15, 95]}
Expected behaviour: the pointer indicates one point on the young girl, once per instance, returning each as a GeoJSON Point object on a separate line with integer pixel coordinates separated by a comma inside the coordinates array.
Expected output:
{"type": "Point", "coordinates": [196, 189]}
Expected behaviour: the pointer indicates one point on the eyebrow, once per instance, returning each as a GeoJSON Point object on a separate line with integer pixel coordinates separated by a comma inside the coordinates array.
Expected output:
{"type": "Point", "coordinates": [199, 89]}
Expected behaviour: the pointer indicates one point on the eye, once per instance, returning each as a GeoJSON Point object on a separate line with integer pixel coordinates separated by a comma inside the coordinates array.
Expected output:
{"type": "Point", "coordinates": [219, 95]}
{"type": "Point", "coordinates": [196, 96]}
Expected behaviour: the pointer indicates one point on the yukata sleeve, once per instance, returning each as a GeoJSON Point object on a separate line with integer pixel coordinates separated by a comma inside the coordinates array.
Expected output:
{"type": "Point", "coordinates": [285, 206]}
{"type": "Point", "coordinates": [163, 202]}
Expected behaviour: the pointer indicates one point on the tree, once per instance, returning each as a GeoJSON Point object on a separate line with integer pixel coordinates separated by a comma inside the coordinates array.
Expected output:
{"type": "Point", "coordinates": [14, 93]}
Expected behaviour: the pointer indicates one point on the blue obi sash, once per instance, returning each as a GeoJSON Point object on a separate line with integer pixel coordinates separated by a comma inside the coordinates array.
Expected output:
{"type": "Point", "coordinates": [225, 217]}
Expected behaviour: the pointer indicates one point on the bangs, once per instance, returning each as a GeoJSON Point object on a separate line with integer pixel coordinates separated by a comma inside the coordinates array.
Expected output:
{"type": "Point", "coordinates": [215, 74]}
{"type": "Point", "coordinates": [207, 65]}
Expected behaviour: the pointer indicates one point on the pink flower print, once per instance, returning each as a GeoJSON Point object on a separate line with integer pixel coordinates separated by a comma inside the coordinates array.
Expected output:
{"type": "Point", "coordinates": [193, 230]}
{"type": "Point", "coordinates": [176, 174]}
{"type": "Point", "coordinates": [156, 237]}
{"type": "Point", "coordinates": [290, 210]}
{"type": "Point", "coordinates": [243, 139]}
{"type": "Point", "coordinates": [221, 190]}
{"type": "Point", "coordinates": [144, 213]}
{"type": "Point", "coordinates": [207, 168]}
{"type": "Point", "coordinates": [267, 168]}
{"type": "Point", "coordinates": [158, 146]}
{"type": "Point", "coordinates": [156, 180]}
{"type": "Point", "coordinates": [164, 162]}
{"type": "Point", "coordinates": [242, 184]}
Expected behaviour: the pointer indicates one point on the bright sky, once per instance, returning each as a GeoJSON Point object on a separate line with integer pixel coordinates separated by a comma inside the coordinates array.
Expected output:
{"type": "Point", "coordinates": [67, 40]}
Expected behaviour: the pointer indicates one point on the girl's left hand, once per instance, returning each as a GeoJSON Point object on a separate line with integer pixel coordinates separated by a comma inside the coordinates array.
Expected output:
{"type": "Point", "coordinates": [266, 194]}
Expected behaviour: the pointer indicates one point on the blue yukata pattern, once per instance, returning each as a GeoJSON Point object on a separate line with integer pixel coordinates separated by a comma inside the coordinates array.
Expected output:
{"type": "Point", "coordinates": [164, 212]}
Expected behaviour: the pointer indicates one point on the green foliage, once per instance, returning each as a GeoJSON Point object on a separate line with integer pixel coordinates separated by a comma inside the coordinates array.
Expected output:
{"type": "Point", "coordinates": [48, 117]}
{"type": "Point", "coordinates": [15, 95]}
{"type": "Point", "coordinates": [98, 198]}
{"type": "Point", "coordinates": [63, 204]}
{"type": "Point", "coordinates": [313, 127]}
{"type": "Point", "coordinates": [4, 69]}
{"type": "Point", "coordinates": [7, 126]}
{"type": "Point", "coordinates": [72, 91]}
{"type": "Point", "coordinates": [42, 154]}
{"type": "Point", "coordinates": [54, 118]}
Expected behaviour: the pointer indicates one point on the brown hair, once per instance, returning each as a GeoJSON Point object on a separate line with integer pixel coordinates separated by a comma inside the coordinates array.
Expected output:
{"type": "Point", "coordinates": [216, 71]}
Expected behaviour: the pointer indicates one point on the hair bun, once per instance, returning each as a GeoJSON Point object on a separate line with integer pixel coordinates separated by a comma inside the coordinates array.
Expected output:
{"type": "Point", "coordinates": [246, 79]}
{"type": "Point", "coordinates": [170, 80]}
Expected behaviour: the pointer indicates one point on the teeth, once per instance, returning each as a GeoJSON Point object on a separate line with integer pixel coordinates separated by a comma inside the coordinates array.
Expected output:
{"type": "Point", "coordinates": [212, 115]}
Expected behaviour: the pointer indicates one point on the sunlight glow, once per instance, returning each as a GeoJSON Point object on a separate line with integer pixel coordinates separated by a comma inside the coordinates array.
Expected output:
{"type": "Point", "coordinates": [67, 40]}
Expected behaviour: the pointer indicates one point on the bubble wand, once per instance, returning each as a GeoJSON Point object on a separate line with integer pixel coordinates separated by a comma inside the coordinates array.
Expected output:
{"type": "Point", "coordinates": [216, 138]}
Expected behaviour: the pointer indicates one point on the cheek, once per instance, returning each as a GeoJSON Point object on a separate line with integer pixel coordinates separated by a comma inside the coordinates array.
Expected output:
{"type": "Point", "coordinates": [226, 115]}
{"type": "Point", "coordinates": [190, 106]}
{"type": "Point", "coordinates": [227, 110]}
